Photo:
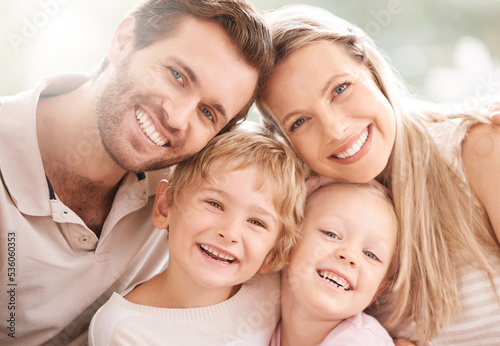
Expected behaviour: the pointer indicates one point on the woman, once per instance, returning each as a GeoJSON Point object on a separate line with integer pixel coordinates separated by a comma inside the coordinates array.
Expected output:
{"type": "Point", "coordinates": [349, 116]}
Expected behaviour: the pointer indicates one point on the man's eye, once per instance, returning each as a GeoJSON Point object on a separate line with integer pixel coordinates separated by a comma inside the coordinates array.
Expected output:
{"type": "Point", "coordinates": [207, 113]}
{"type": "Point", "coordinates": [177, 76]}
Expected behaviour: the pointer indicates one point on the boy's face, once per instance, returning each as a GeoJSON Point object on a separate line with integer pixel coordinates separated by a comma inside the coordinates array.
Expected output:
{"type": "Point", "coordinates": [219, 235]}
{"type": "Point", "coordinates": [340, 263]}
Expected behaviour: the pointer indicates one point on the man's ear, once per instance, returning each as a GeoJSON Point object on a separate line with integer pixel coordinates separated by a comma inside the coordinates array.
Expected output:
{"type": "Point", "coordinates": [160, 209]}
{"type": "Point", "coordinates": [122, 40]}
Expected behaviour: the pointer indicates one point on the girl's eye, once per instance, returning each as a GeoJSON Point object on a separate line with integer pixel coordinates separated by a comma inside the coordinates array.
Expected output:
{"type": "Point", "coordinates": [297, 123]}
{"type": "Point", "coordinates": [257, 223]}
{"type": "Point", "coordinates": [207, 113]}
{"type": "Point", "coordinates": [215, 204]}
{"type": "Point", "coordinates": [177, 76]}
{"type": "Point", "coordinates": [371, 255]}
{"type": "Point", "coordinates": [331, 235]}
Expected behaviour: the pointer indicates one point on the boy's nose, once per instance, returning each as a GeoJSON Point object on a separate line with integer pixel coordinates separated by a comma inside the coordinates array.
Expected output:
{"type": "Point", "coordinates": [346, 255]}
{"type": "Point", "coordinates": [229, 233]}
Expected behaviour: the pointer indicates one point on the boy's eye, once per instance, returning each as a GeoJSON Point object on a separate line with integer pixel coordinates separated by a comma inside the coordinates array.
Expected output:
{"type": "Point", "coordinates": [331, 235]}
{"type": "Point", "coordinates": [371, 255]}
{"type": "Point", "coordinates": [215, 204]}
{"type": "Point", "coordinates": [257, 223]}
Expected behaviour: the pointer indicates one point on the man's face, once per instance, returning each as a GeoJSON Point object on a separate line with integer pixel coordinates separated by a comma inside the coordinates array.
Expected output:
{"type": "Point", "coordinates": [163, 103]}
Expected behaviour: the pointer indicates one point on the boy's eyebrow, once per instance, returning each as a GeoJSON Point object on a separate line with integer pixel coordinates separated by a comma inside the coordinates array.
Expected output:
{"type": "Point", "coordinates": [265, 212]}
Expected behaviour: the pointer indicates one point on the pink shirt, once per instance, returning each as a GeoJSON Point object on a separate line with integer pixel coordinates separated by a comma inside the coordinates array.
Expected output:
{"type": "Point", "coordinates": [360, 329]}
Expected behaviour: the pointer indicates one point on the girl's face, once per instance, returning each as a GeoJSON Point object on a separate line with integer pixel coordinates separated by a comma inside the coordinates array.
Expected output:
{"type": "Point", "coordinates": [335, 115]}
{"type": "Point", "coordinates": [341, 261]}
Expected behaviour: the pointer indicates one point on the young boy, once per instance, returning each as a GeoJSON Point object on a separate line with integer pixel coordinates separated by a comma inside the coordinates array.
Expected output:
{"type": "Point", "coordinates": [346, 257]}
{"type": "Point", "coordinates": [232, 211]}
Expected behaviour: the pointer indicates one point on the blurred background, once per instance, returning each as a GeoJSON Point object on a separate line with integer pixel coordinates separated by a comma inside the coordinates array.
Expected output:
{"type": "Point", "coordinates": [446, 49]}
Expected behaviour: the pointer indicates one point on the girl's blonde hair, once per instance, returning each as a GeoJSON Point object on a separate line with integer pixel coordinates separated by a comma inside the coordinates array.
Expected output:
{"type": "Point", "coordinates": [281, 175]}
{"type": "Point", "coordinates": [443, 225]}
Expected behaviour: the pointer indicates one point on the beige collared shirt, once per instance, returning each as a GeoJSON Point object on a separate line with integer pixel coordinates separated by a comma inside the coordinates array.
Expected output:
{"type": "Point", "coordinates": [54, 272]}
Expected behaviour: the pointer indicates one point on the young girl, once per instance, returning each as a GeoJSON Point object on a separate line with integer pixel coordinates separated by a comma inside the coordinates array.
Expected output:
{"type": "Point", "coordinates": [346, 257]}
{"type": "Point", "coordinates": [232, 211]}
{"type": "Point", "coordinates": [349, 116]}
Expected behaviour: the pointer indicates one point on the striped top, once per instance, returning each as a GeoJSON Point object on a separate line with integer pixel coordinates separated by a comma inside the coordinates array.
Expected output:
{"type": "Point", "coordinates": [479, 322]}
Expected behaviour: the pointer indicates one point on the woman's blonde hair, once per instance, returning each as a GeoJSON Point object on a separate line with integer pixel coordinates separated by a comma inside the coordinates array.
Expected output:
{"type": "Point", "coordinates": [281, 175]}
{"type": "Point", "coordinates": [443, 225]}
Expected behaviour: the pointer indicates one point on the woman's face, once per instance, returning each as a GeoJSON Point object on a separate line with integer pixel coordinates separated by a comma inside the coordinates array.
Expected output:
{"type": "Point", "coordinates": [335, 115]}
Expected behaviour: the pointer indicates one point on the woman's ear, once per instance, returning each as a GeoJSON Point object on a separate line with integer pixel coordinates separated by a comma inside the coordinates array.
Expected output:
{"type": "Point", "coordinates": [160, 209]}
{"type": "Point", "coordinates": [122, 40]}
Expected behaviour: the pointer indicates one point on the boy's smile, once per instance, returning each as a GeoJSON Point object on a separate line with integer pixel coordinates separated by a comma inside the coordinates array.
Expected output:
{"type": "Point", "coordinates": [217, 254]}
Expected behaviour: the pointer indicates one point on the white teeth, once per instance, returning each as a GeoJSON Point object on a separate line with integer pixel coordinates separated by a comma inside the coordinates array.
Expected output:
{"type": "Point", "coordinates": [335, 280]}
{"type": "Point", "coordinates": [213, 253]}
{"type": "Point", "coordinates": [355, 147]}
{"type": "Point", "coordinates": [149, 129]}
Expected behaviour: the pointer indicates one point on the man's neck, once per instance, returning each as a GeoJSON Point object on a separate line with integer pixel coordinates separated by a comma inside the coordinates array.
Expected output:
{"type": "Point", "coordinates": [75, 161]}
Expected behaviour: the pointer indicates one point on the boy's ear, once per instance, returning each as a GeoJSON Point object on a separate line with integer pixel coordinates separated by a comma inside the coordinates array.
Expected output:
{"type": "Point", "coordinates": [122, 40]}
{"type": "Point", "coordinates": [160, 209]}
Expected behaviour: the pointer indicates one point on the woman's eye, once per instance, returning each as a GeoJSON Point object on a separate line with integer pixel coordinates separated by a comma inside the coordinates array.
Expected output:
{"type": "Point", "coordinates": [257, 223]}
{"type": "Point", "coordinates": [371, 255]}
{"type": "Point", "coordinates": [298, 123]}
{"type": "Point", "coordinates": [332, 235]}
{"type": "Point", "coordinates": [177, 76]}
{"type": "Point", "coordinates": [340, 89]}
{"type": "Point", "coordinates": [215, 204]}
{"type": "Point", "coordinates": [207, 113]}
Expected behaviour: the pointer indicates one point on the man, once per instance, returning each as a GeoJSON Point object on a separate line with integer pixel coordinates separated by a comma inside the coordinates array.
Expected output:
{"type": "Point", "coordinates": [75, 205]}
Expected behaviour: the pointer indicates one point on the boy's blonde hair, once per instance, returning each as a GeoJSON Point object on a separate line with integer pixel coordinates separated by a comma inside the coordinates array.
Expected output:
{"type": "Point", "coordinates": [281, 174]}
{"type": "Point", "coordinates": [443, 225]}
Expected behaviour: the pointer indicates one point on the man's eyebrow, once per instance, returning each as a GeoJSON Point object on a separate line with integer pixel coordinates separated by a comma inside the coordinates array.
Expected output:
{"type": "Point", "coordinates": [194, 79]}
{"type": "Point", "coordinates": [220, 108]}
